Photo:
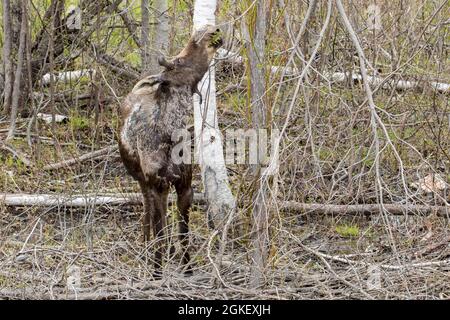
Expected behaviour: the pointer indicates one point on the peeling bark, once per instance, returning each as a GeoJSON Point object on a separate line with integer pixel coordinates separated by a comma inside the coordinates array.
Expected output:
{"type": "Point", "coordinates": [209, 146]}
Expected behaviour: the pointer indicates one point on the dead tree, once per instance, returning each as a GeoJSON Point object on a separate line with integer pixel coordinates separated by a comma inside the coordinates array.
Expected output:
{"type": "Point", "coordinates": [156, 108]}
{"type": "Point", "coordinates": [16, 92]}
{"type": "Point", "coordinates": [8, 65]}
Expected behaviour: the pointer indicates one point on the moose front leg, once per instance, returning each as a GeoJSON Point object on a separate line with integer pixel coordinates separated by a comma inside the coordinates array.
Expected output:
{"type": "Point", "coordinates": [154, 217]}
{"type": "Point", "coordinates": [148, 208]}
{"type": "Point", "coordinates": [185, 196]}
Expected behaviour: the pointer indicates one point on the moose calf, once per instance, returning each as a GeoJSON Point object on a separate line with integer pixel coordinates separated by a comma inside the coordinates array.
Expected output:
{"type": "Point", "coordinates": [157, 106]}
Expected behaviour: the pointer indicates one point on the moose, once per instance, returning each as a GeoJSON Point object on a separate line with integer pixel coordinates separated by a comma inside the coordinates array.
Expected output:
{"type": "Point", "coordinates": [156, 107]}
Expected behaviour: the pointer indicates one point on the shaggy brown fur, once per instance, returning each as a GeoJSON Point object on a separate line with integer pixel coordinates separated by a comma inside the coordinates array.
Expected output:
{"type": "Point", "coordinates": [158, 105]}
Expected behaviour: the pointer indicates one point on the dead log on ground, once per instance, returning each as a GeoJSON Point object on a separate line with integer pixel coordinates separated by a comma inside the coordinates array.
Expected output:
{"type": "Point", "coordinates": [110, 199]}
{"type": "Point", "coordinates": [341, 77]}
{"type": "Point", "coordinates": [68, 76]}
{"type": "Point", "coordinates": [80, 200]}
{"type": "Point", "coordinates": [84, 157]}
{"type": "Point", "coordinates": [366, 209]}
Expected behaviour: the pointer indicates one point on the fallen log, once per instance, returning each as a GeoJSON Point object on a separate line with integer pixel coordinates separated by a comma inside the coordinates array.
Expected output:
{"type": "Point", "coordinates": [67, 76]}
{"type": "Point", "coordinates": [110, 199]}
{"type": "Point", "coordinates": [234, 58]}
{"type": "Point", "coordinates": [366, 209]}
{"type": "Point", "coordinates": [84, 157]}
{"type": "Point", "coordinates": [391, 83]}
{"type": "Point", "coordinates": [80, 200]}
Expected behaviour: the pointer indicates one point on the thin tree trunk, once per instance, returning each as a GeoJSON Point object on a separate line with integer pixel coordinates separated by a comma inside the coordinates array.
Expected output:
{"type": "Point", "coordinates": [160, 40]}
{"type": "Point", "coordinates": [7, 57]}
{"type": "Point", "coordinates": [2, 79]}
{"type": "Point", "coordinates": [16, 16]}
{"type": "Point", "coordinates": [51, 54]}
{"type": "Point", "coordinates": [257, 71]}
{"type": "Point", "coordinates": [209, 146]}
{"type": "Point", "coordinates": [16, 95]}
{"type": "Point", "coordinates": [145, 35]}
{"type": "Point", "coordinates": [33, 107]}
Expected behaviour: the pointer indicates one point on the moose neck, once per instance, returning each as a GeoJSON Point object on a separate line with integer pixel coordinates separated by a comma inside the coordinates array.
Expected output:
{"type": "Point", "coordinates": [175, 106]}
{"type": "Point", "coordinates": [196, 59]}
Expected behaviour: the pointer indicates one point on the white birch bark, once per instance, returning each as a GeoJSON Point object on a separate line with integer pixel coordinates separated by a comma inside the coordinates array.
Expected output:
{"type": "Point", "coordinates": [387, 84]}
{"type": "Point", "coordinates": [67, 76]}
{"type": "Point", "coordinates": [77, 200]}
{"type": "Point", "coordinates": [209, 146]}
{"type": "Point", "coordinates": [135, 199]}
{"type": "Point", "coordinates": [340, 77]}
{"type": "Point", "coordinates": [160, 40]}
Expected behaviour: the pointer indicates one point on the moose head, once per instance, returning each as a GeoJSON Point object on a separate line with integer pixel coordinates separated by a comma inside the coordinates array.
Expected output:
{"type": "Point", "coordinates": [190, 65]}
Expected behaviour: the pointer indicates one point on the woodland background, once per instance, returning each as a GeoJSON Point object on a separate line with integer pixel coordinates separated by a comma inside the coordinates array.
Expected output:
{"type": "Point", "coordinates": [359, 207]}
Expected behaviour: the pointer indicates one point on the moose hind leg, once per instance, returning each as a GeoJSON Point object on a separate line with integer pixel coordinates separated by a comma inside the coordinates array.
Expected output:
{"type": "Point", "coordinates": [184, 202]}
{"type": "Point", "coordinates": [159, 225]}
{"type": "Point", "coordinates": [148, 209]}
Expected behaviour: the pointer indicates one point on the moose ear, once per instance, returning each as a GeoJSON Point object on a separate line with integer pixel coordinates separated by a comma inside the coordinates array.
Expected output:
{"type": "Point", "coordinates": [166, 64]}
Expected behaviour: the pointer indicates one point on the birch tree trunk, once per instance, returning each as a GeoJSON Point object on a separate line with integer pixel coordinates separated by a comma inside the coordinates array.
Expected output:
{"type": "Point", "coordinates": [160, 40]}
{"type": "Point", "coordinates": [154, 44]}
{"type": "Point", "coordinates": [208, 139]}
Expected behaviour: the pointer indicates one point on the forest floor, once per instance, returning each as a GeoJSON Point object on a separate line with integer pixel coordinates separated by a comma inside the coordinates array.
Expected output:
{"type": "Point", "coordinates": [337, 149]}
{"type": "Point", "coordinates": [98, 253]}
